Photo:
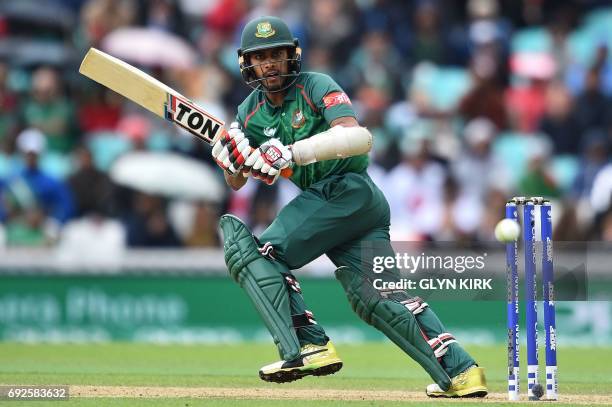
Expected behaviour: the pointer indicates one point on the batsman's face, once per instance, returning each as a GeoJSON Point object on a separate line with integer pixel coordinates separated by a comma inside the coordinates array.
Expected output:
{"type": "Point", "coordinates": [271, 64]}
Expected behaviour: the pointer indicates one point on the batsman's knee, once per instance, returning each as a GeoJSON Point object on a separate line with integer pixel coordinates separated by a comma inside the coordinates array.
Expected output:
{"type": "Point", "coordinates": [239, 246]}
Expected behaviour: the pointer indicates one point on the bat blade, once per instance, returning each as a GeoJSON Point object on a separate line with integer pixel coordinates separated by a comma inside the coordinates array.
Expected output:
{"type": "Point", "coordinates": [151, 94]}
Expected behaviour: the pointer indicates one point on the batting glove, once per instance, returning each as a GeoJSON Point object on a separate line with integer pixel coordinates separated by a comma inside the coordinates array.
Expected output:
{"type": "Point", "coordinates": [232, 150]}
{"type": "Point", "coordinates": [267, 162]}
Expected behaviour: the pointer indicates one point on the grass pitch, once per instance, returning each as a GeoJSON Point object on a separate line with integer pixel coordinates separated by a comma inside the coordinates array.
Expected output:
{"type": "Point", "coordinates": [226, 375]}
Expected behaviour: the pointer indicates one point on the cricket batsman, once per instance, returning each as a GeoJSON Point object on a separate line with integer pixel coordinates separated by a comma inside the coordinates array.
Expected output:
{"type": "Point", "coordinates": [305, 121]}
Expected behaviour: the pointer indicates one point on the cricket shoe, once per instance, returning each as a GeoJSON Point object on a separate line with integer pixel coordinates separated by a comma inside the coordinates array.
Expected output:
{"type": "Point", "coordinates": [315, 360]}
{"type": "Point", "coordinates": [470, 383]}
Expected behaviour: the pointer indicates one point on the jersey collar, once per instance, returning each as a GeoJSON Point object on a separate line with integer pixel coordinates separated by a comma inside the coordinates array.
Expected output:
{"type": "Point", "coordinates": [289, 97]}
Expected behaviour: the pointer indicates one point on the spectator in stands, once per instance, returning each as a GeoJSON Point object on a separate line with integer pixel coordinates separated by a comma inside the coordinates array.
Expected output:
{"type": "Point", "coordinates": [204, 229]}
{"type": "Point", "coordinates": [487, 27]}
{"type": "Point", "coordinates": [593, 107]}
{"type": "Point", "coordinates": [224, 17]}
{"type": "Point", "coordinates": [100, 17]}
{"type": "Point", "coordinates": [49, 110]}
{"type": "Point", "coordinates": [559, 122]}
{"type": "Point", "coordinates": [136, 128]}
{"type": "Point", "coordinates": [99, 110]}
{"type": "Point", "coordinates": [148, 225]}
{"type": "Point", "coordinates": [32, 187]}
{"type": "Point", "coordinates": [164, 15]}
{"type": "Point", "coordinates": [486, 96]}
{"type": "Point", "coordinates": [8, 109]}
{"type": "Point", "coordinates": [428, 39]}
{"type": "Point", "coordinates": [577, 73]}
{"type": "Point", "coordinates": [30, 227]}
{"type": "Point", "coordinates": [319, 59]}
{"type": "Point", "coordinates": [91, 188]}
{"type": "Point", "coordinates": [538, 181]}
{"type": "Point", "coordinates": [560, 27]}
{"type": "Point", "coordinates": [391, 17]}
{"type": "Point", "coordinates": [26, 221]}
{"type": "Point", "coordinates": [415, 187]}
{"type": "Point", "coordinates": [331, 25]}
{"type": "Point", "coordinates": [472, 191]}
{"type": "Point", "coordinates": [476, 158]}
{"type": "Point", "coordinates": [93, 241]}
{"type": "Point", "coordinates": [375, 63]}
{"type": "Point", "coordinates": [526, 104]}
{"type": "Point", "coordinates": [593, 160]}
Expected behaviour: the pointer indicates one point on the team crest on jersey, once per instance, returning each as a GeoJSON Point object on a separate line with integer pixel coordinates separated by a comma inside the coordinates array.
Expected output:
{"type": "Point", "coordinates": [264, 30]}
{"type": "Point", "coordinates": [298, 119]}
{"type": "Point", "coordinates": [269, 132]}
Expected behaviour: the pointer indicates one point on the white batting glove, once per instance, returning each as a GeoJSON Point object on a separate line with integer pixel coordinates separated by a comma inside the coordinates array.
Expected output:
{"type": "Point", "coordinates": [267, 162]}
{"type": "Point", "coordinates": [232, 149]}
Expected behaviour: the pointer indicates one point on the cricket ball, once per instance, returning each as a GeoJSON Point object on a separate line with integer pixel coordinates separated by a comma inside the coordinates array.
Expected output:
{"type": "Point", "coordinates": [507, 230]}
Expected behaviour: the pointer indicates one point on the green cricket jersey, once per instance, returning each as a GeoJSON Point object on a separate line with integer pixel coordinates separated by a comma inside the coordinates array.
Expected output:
{"type": "Point", "coordinates": [313, 102]}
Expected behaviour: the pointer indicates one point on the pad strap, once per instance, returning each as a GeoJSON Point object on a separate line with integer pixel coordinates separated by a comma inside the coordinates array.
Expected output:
{"type": "Point", "coordinates": [267, 250]}
{"type": "Point", "coordinates": [439, 344]}
{"type": "Point", "coordinates": [415, 305]}
{"type": "Point", "coordinates": [303, 320]}
{"type": "Point", "coordinates": [292, 283]}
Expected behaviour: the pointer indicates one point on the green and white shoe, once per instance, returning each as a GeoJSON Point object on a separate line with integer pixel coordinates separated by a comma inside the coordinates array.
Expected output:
{"type": "Point", "coordinates": [315, 360]}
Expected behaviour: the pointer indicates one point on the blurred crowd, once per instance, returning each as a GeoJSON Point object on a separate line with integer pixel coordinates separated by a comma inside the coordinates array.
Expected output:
{"type": "Point", "coordinates": [471, 102]}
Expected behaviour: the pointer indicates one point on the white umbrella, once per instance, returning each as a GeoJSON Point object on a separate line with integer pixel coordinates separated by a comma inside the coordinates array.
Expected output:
{"type": "Point", "coordinates": [149, 47]}
{"type": "Point", "coordinates": [168, 174]}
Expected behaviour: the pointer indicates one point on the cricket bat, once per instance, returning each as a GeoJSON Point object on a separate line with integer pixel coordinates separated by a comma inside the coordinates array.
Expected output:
{"type": "Point", "coordinates": [154, 96]}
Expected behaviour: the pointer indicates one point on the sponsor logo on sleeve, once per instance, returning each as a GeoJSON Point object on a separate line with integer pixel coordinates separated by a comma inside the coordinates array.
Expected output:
{"type": "Point", "coordinates": [336, 98]}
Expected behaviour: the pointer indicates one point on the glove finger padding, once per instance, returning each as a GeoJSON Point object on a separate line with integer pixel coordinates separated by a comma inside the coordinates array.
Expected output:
{"type": "Point", "coordinates": [232, 149]}
{"type": "Point", "coordinates": [272, 157]}
{"type": "Point", "coordinates": [239, 155]}
{"type": "Point", "coordinates": [217, 147]}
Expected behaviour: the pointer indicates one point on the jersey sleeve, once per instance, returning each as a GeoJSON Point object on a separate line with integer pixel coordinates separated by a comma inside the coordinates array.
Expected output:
{"type": "Point", "coordinates": [329, 98]}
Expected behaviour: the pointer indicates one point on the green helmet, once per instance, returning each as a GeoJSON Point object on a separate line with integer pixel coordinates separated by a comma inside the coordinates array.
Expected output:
{"type": "Point", "coordinates": [264, 33]}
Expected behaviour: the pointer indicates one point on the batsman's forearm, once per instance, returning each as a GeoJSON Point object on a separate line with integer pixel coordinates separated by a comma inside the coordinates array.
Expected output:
{"type": "Point", "coordinates": [235, 181]}
{"type": "Point", "coordinates": [337, 142]}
